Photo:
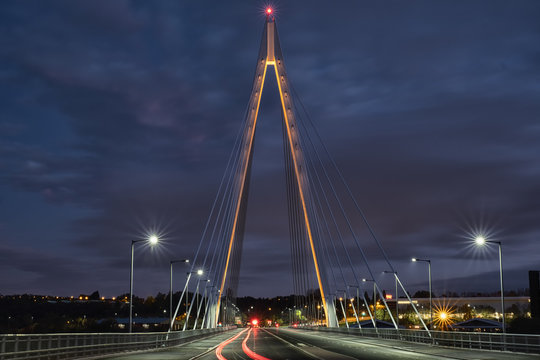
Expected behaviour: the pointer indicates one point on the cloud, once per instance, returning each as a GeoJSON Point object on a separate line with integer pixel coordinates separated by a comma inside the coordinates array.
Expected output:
{"type": "Point", "coordinates": [120, 117]}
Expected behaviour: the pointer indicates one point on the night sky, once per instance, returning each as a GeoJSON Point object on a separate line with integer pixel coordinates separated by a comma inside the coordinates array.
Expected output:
{"type": "Point", "coordinates": [117, 118]}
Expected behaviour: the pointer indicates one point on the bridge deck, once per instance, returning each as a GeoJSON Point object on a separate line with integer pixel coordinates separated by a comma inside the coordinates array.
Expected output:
{"type": "Point", "coordinates": [278, 344]}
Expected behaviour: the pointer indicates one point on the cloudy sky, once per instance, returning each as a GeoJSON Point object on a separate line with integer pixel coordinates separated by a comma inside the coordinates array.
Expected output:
{"type": "Point", "coordinates": [117, 118]}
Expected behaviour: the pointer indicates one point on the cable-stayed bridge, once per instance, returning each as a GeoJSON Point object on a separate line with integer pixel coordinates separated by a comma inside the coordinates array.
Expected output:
{"type": "Point", "coordinates": [331, 269]}
{"type": "Point", "coordinates": [327, 243]}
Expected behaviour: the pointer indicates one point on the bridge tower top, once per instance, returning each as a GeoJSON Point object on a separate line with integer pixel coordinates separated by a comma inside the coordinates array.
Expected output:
{"type": "Point", "coordinates": [270, 48]}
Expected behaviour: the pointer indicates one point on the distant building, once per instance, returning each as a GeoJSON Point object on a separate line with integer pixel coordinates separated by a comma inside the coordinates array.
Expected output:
{"type": "Point", "coordinates": [368, 324]}
{"type": "Point", "coordinates": [534, 288]}
{"type": "Point", "coordinates": [477, 324]}
{"type": "Point", "coordinates": [493, 301]}
{"type": "Point", "coordinates": [145, 322]}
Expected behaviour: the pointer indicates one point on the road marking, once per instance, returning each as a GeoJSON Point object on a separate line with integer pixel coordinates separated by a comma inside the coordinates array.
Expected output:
{"type": "Point", "coordinates": [294, 346]}
{"type": "Point", "coordinates": [250, 352]}
{"type": "Point", "coordinates": [368, 343]}
{"type": "Point", "coordinates": [220, 347]}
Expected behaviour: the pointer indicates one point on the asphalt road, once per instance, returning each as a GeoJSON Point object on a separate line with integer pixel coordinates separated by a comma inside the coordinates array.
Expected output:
{"type": "Point", "coordinates": [292, 344]}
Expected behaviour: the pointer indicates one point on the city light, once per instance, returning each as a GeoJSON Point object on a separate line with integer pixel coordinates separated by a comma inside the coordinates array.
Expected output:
{"type": "Point", "coordinates": [443, 316]}
{"type": "Point", "coordinates": [200, 272]}
{"type": "Point", "coordinates": [269, 10]}
{"type": "Point", "coordinates": [480, 240]}
{"type": "Point", "coordinates": [153, 239]}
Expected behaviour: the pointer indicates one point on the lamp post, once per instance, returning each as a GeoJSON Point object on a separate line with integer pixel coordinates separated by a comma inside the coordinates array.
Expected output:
{"type": "Point", "coordinates": [430, 289]}
{"type": "Point", "coordinates": [357, 297]}
{"type": "Point", "coordinates": [152, 240]}
{"type": "Point", "coordinates": [353, 305]}
{"type": "Point", "coordinates": [171, 287]}
{"type": "Point", "coordinates": [342, 308]}
{"type": "Point", "coordinates": [374, 300]}
{"type": "Point", "coordinates": [199, 306]}
{"type": "Point", "coordinates": [199, 272]}
{"type": "Point", "coordinates": [397, 297]}
{"type": "Point", "coordinates": [481, 241]}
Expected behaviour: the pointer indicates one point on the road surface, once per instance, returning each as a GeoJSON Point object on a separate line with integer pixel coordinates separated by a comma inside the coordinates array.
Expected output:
{"type": "Point", "coordinates": [292, 344]}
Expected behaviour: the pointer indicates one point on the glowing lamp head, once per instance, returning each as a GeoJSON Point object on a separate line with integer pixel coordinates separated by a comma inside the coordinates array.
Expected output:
{"type": "Point", "coordinates": [254, 322]}
{"type": "Point", "coordinates": [269, 11]}
{"type": "Point", "coordinates": [480, 240]}
{"type": "Point", "coordinates": [443, 315]}
{"type": "Point", "coordinates": [200, 272]}
{"type": "Point", "coordinates": [413, 259]}
{"type": "Point", "coordinates": [153, 240]}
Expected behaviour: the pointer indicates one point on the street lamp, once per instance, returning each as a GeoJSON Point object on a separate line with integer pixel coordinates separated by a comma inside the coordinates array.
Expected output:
{"type": "Point", "coordinates": [397, 297]}
{"type": "Point", "coordinates": [199, 272]}
{"type": "Point", "coordinates": [342, 308]}
{"type": "Point", "coordinates": [481, 241]}
{"type": "Point", "coordinates": [374, 300]}
{"type": "Point", "coordinates": [152, 240]}
{"type": "Point", "coordinates": [171, 287]}
{"type": "Point", "coordinates": [430, 289]}
{"type": "Point", "coordinates": [198, 306]}
{"type": "Point", "coordinates": [353, 304]}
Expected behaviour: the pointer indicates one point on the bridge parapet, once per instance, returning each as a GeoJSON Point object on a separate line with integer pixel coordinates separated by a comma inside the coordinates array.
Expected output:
{"type": "Point", "coordinates": [83, 345]}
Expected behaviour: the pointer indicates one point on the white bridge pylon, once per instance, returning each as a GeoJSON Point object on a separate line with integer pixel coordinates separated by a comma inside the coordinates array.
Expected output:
{"type": "Point", "coordinates": [270, 57]}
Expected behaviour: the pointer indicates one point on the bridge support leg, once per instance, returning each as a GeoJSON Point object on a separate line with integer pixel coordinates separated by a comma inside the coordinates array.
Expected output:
{"type": "Point", "coordinates": [331, 318]}
{"type": "Point", "coordinates": [210, 319]}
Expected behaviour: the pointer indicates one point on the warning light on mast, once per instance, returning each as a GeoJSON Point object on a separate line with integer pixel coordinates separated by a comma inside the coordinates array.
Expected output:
{"type": "Point", "coordinates": [268, 11]}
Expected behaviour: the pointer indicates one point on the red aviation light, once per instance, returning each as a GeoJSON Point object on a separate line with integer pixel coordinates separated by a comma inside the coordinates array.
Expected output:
{"type": "Point", "coordinates": [269, 11]}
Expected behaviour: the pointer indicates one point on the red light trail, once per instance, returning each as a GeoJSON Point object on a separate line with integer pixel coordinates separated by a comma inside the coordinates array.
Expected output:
{"type": "Point", "coordinates": [253, 355]}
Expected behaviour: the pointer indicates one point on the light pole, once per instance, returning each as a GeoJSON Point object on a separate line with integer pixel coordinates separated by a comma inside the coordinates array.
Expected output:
{"type": "Point", "coordinates": [171, 287]}
{"type": "Point", "coordinates": [374, 300]}
{"type": "Point", "coordinates": [199, 306]}
{"type": "Point", "coordinates": [199, 272]}
{"type": "Point", "coordinates": [430, 289]}
{"type": "Point", "coordinates": [353, 305]}
{"type": "Point", "coordinates": [152, 240]}
{"type": "Point", "coordinates": [357, 297]}
{"type": "Point", "coordinates": [397, 297]}
{"type": "Point", "coordinates": [342, 308]}
{"type": "Point", "coordinates": [481, 241]}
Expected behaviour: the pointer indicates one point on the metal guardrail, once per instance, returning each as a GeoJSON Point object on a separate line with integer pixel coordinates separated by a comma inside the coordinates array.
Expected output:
{"type": "Point", "coordinates": [465, 340]}
{"type": "Point", "coordinates": [81, 345]}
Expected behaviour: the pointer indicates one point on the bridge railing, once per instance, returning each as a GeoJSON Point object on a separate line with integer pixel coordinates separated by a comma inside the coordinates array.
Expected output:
{"type": "Point", "coordinates": [80, 345]}
{"type": "Point", "coordinates": [467, 340]}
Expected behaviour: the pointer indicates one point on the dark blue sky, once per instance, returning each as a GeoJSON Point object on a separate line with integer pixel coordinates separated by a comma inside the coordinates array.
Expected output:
{"type": "Point", "coordinates": [117, 117]}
